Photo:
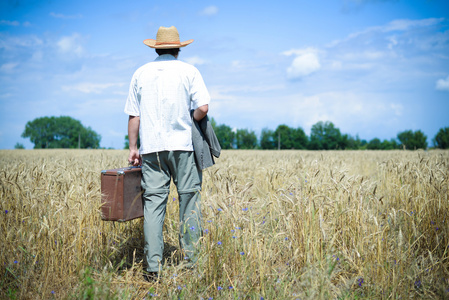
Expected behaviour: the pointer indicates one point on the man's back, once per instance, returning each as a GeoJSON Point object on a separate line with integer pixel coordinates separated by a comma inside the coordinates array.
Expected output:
{"type": "Point", "coordinates": [163, 93]}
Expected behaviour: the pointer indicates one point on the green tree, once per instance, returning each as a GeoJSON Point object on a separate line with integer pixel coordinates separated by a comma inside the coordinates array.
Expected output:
{"type": "Point", "coordinates": [267, 139]}
{"type": "Point", "coordinates": [325, 136]}
{"type": "Point", "coordinates": [225, 136]}
{"type": "Point", "coordinates": [283, 137]}
{"type": "Point", "coordinates": [413, 140]}
{"type": "Point", "coordinates": [245, 139]}
{"type": "Point", "coordinates": [374, 144]}
{"type": "Point", "coordinates": [300, 139]}
{"type": "Point", "coordinates": [19, 146]}
{"type": "Point", "coordinates": [60, 132]}
{"type": "Point", "coordinates": [352, 143]}
{"type": "Point", "coordinates": [290, 138]}
{"type": "Point", "coordinates": [389, 145]}
{"type": "Point", "coordinates": [441, 140]}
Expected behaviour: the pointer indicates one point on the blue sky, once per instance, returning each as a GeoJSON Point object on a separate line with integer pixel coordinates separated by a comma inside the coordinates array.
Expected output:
{"type": "Point", "coordinates": [372, 67]}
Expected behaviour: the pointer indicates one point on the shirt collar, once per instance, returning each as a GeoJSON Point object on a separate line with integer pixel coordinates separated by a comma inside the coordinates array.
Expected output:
{"type": "Point", "coordinates": [165, 57]}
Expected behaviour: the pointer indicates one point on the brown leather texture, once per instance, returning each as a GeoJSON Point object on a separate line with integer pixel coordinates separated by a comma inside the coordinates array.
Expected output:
{"type": "Point", "coordinates": [121, 194]}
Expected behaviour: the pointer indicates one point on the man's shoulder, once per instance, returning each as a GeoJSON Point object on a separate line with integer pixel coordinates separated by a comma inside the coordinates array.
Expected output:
{"type": "Point", "coordinates": [174, 65]}
{"type": "Point", "coordinates": [142, 68]}
{"type": "Point", "coordinates": [187, 65]}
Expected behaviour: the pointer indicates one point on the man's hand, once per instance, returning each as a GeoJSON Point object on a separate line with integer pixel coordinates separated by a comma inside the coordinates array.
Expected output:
{"type": "Point", "coordinates": [134, 158]}
{"type": "Point", "coordinates": [133, 132]}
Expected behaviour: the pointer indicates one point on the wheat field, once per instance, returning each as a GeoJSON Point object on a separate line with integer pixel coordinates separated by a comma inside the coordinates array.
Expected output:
{"type": "Point", "coordinates": [276, 225]}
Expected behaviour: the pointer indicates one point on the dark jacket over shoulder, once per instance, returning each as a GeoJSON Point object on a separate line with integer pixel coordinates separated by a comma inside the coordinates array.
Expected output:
{"type": "Point", "coordinates": [205, 143]}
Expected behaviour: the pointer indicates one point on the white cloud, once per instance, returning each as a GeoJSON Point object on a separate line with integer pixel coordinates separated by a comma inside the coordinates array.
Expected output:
{"type": "Point", "coordinates": [336, 65]}
{"type": "Point", "coordinates": [405, 24]}
{"type": "Point", "coordinates": [305, 63]}
{"type": "Point", "coordinates": [115, 133]}
{"type": "Point", "coordinates": [228, 92]}
{"type": "Point", "coordinates": [395, 25]}
{"type": "Point", "coordinates": [218, 93]}
{"type": "Point", "coordinates": [9, 23]}
{"type": "Point", "coordinates": [393, 42]}
{"type": "Point", "coordinates": [14, 23]}
{"type": "Point", "coordinates": [443, 84]}
{"type": "Point", "coordinates": [8, 67]}
{"type": "Point", "coordinates": [195, 60]}
{"type": "Point", "coordinates": [66, 17]}
{"type": "Point", "coordinates": [13, 43]}
{"type": "Point", "coordinates": [91, 88]}
{"type": "Point", "coordinates": [348, 110]}
{"type": "Point", "coordinates": [7, 95]}
{"type": "Point", "coordinates": [351, 111]}
{"type": "Point", "coordinates": [362, 56]}
{"type": "Point", "coordinates": [71, 44]}
{"type": "Point", "coordinates": [209, 11]}
{"type": "Point", "coordinates": [397, 108]}
{"type": "Point", "coordinates": [357, 5]}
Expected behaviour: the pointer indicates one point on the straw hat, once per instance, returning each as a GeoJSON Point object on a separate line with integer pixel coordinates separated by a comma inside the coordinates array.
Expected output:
{"type": "Point", "coordinates": [166, 38]}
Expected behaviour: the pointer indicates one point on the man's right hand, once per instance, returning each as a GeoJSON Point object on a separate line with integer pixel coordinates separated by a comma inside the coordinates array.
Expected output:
{"type": "Point", "coordinates": [134, 158]}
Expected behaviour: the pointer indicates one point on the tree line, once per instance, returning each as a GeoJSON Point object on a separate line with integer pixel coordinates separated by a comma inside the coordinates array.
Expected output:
{"type": "Point", "coordinates": [66, 132]}
{"type": "Point", "coordinates": [323, 136]}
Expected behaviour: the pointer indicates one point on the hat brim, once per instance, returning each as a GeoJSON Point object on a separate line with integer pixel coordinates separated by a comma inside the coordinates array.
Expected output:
{"type": "Point", "coordinates": [152, 43]}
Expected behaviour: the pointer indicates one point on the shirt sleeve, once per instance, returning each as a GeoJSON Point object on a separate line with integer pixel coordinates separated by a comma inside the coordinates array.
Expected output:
{"type": "Point", "coordinates": [132, 106]}
{"type": "Point", "coordinates": [199, 94]}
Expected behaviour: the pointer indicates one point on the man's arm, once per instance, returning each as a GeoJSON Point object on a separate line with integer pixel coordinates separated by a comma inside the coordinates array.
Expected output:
{"type": "Point", "coordinates": [133, 134]}
{"type": "Point", "coordinates": [200, 112]}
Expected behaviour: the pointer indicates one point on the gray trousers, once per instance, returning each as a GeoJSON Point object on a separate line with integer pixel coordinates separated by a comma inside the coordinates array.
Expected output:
{"type": "Point", "coordinates": [157, 170]}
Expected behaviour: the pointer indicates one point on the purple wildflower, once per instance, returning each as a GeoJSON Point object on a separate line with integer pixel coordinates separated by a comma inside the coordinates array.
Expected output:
{"type": "Point", "coordinates": [360, 281]}
{"type": "Point", "coordinates": [418, 283]}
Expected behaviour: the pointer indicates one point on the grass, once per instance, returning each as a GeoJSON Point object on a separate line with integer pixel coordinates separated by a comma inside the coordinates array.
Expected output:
{"type": "Point", "coordinates": [276, 224]}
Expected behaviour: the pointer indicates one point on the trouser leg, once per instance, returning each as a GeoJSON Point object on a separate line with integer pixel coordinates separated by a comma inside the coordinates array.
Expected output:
{"type": "Point", "coordinates": [156, 183]}
{"type": "Point", "coordinates": [154, 215]}
{"type": "Point", "coordinates": [188, 178]}
{"type": "Point", "coordinates": [190, 224]}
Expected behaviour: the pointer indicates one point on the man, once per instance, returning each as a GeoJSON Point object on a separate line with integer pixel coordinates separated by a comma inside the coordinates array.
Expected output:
{"type": "Point", "coordinates": [161, 96]}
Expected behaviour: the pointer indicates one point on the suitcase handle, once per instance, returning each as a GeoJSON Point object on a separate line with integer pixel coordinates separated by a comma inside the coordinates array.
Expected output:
{"type": "Point", "coordinates": [122, 172]}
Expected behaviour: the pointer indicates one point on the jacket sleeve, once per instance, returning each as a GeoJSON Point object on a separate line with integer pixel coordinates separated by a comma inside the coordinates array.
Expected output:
{"type": "Point", "coordinates": [205, 143]}
{"type": "Point", "coordinates": [211, 138]}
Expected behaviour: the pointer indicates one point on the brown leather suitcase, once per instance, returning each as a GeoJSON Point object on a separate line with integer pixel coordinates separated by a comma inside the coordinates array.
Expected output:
{"type": "Point", "coordinates": [121, 194]}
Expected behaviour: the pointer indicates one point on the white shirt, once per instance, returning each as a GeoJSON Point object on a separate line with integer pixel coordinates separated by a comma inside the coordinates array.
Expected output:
{"type": "Point", "coordinates": [162, 93]}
